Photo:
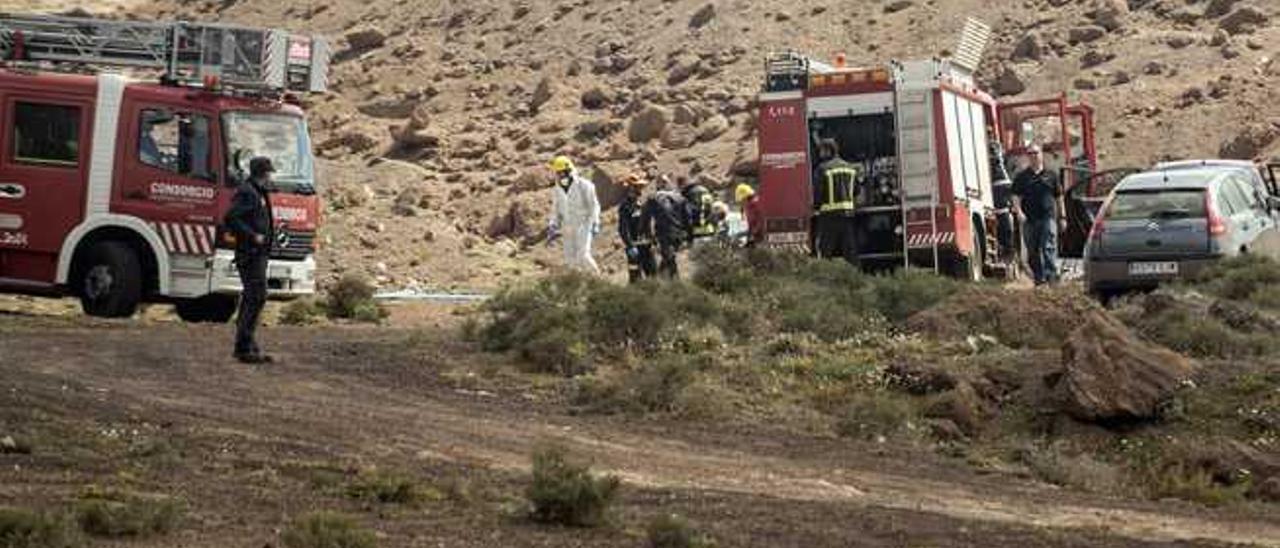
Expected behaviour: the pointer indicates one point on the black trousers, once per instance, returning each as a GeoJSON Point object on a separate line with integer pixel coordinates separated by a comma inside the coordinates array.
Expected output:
{"type": "Point", "coordinates": [837, 236]}
{"type": "Point", "coordinates": [643, 265]}
{"type": "Point", "coordinates": [667, 249]}
{"type": "Point", "coordinates": [253, 276]}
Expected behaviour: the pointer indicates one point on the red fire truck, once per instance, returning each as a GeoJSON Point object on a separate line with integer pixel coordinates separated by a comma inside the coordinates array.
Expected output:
{"type": "Point", "coordinates": [922, 132]}
{"type": "Point", "coordinates": [112, 189]}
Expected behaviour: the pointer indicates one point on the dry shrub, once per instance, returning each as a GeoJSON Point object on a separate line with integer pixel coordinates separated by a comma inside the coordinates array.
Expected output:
{"type": "Point", "coordinates": [109, 513]}
{"type": "Point", "coordinates": [567, 493]}
{"type": "Point", "coordinates": [327, 530]}
{"type": "Point", "coordinates": [673, 531]}
{"type": "Point", "coordinates": [352, 299]}
{"type": "Point", "coordinates": [20, 528]}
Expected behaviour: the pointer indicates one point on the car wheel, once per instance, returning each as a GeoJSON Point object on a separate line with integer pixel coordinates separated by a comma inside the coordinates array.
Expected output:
{"type": "Point", "coordinates": [110, 281]}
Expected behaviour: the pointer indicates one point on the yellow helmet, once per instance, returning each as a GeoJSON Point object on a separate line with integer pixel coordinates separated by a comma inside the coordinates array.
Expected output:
{"type": "Point", "coordinates": [561, 164]}
{"type": "Point", "coordinates": [743, 193]}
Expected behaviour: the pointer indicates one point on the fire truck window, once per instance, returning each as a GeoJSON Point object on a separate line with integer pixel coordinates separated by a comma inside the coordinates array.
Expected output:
{"type": "Point", "coordinates": [46, 134]}
{"type": "Point", "coordinates": [177, 142]}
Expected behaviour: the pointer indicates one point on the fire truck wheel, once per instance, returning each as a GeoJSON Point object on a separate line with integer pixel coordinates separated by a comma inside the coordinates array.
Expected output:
{"type": "Point", "coordinates": [207, 309]}
{"type": "Point", "coordinates": [110, 281]}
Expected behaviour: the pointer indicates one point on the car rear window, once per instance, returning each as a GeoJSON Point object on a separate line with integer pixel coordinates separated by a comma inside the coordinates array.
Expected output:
{"type": "Point", "coordinates": [1155, 204]}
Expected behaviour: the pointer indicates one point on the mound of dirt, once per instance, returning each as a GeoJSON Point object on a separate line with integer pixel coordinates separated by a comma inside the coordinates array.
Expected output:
{"type": "Point", "coordinates": [1108, 374]}
{"type": "Point", "coordinates": [1016, 318]}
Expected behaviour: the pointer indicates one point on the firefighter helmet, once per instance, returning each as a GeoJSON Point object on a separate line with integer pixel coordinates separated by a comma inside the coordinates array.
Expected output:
{"type": "Point", "coordinates": [561, 164]}
{"type": "Point", "coordinates": [743, 193]}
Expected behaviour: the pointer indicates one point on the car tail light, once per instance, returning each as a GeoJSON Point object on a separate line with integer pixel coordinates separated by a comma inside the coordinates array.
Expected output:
{"type": "Point", "coordinates": [1095, 231]}
{"type": "Point", "coordinates": [1217, 226]}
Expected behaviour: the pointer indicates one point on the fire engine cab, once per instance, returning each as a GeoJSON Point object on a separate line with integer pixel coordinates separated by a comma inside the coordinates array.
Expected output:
{"type": "Point", "coordinates": [112, 189]}
{"type": "Point", "coordinates": [922, 133]}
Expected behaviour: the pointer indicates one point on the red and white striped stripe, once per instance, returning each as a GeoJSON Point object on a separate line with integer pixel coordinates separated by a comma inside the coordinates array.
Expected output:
{"type": "Point", "coordinates": [927, 240]}
{"type": "Point", "coordinates": [185, 239]}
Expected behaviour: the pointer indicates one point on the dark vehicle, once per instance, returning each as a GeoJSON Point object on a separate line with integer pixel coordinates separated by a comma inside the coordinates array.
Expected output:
{"type": "Point", "coordinates": [1165, 225]}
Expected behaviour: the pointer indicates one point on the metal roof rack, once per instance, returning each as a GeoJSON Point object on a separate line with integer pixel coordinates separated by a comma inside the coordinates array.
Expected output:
{"type": "Point", "coordinates": [235, 58]}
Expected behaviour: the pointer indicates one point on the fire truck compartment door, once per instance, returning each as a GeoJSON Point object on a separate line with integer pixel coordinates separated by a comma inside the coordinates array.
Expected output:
{"type": "Point", "coordinates": [918, 163]}
{"type": "Point", "coordinates": [967, 147]}
{"type": "Point", "coordinates": [784, 157]}
{"type": "Point", "coordinates": [850, 105]}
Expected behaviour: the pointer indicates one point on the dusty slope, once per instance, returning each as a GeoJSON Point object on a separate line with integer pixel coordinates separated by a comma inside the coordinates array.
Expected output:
{"type": "Point", "coordinates": [472, 73]}
{"type": "Point", "coordinates": [367, 397]}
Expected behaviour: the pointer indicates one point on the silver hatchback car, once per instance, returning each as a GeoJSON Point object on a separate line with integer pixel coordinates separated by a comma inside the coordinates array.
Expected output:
{"type": "Point", "coordinates": [1164, 225]}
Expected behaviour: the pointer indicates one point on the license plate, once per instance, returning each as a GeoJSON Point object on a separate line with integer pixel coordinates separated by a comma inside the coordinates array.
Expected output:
{"type": "Point", "coordinates": [1163, 268]}
{"type": "Point", "coordinates": [788, 238]}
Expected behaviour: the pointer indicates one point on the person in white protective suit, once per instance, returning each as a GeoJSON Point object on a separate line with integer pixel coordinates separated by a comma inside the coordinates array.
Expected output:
{"type": "Point", "coordinates": [575, 215]}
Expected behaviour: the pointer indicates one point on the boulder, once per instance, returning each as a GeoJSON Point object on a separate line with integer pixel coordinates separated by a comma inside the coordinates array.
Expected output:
{"type": "Point", "coordinates": [366, 38]}
{"type": "Point", "coordinates": [1030, 48]}
{"type": "Point", "coordinates": [679, 137]}
{"type": "Point", "coordinates": [685, 115]}
{"type": "Point", "coordinates": [704, 15]}
{"type": "Point", "coordinates": [649, 124]}
{"type": "Point", "coordinates": [518, 222]}
{"type": "Point", "coordinates": [530, 180]}
{"type": "Point", "coordinates": [1085, 34]}
{"type": "Point", "coordinates": [683, 68]}
{"type": "Point", "coordinates": [595, 98]}
{"type": "Point", "coordinates": [1243, 20]}
{"type": "Point", "coordinates": [898, 5]}
{"type": "Point", "coordinates": [1108, 374]}
{"type": "Point", "coordinates": [1095, 57]}
{"type": "Point", "coordinates": [354, 140]}
{"type": "Point", "coordinates": [713, 128]}
{"type": "Point", "coordinates": [1009, 82]}
{"type": "Point", "coordinates": [541, 94]}
{"type": "Point", "coordinates": [1085, 84]}
{"type": "Point", "coordinates": [1250, 142]}
{"type": "Point", "coordinates": [1218, 8]}
{"type": "Point", "coordinates": [1111, 14]}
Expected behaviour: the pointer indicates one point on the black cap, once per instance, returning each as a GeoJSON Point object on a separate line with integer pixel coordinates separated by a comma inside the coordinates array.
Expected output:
{"type": "Point", "coordinates": [260, 165]}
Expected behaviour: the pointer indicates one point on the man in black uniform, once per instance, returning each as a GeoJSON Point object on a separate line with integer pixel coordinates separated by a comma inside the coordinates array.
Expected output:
{"type": "Point", "coordinates": [665, 216]}
{"type": "Point", "coordinates": [250, 221]}
{"type": "Point", "coordinates": [834, 196]}
{"type": "Point", "coordinates": [1002, 196]}
{"type": "Point", "coordinates": [637, 237]}
{"type": "Point", "coordinates": [1038, 200]}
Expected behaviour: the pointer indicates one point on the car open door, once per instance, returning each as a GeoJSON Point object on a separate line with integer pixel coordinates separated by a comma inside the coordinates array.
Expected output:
{"type": "Point", "coordinates": [1083, 201]}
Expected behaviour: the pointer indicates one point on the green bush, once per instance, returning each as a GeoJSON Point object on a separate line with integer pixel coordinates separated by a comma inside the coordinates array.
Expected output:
{"type": "Point", "coordinates": [672, 531]}
{"type": "Point", "coordinates": [352, 299]}
{"type": "Point", "coordinates": [872, 414]}
{"type": "Point", "coordinates": [118, 514]}
{"type": "Point", "coordinates": [567, 493]}
{"type": "Point", "coordinates": [388, 488]}
{"type": "Point", "coordinates": [327, 530]}
{"type": "Point", "coordinates": [1201, 335]}
{"type": "Point", "coordinates": [21, 528]}
{"type": "Point", "coordinates": [658, 386]}
{"type": "Point", "coordinates": [302, 312]}
{"type": "Point", "coordinates": [1240, 278]}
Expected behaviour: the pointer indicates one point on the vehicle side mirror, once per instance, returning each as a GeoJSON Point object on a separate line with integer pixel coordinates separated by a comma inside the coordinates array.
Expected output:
{"type": "Point", "coordinates": [1273, 203]}
{"type": "Point", "coordinates": [236, 174]}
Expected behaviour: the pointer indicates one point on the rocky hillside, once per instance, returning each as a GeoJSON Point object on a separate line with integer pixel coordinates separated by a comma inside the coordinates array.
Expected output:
{"type": "Point", "coordinates": [443, 114]}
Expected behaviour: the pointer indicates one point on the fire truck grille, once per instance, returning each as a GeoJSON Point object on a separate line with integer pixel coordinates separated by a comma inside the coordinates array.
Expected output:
{"type": "Point", "coordinates": [293, 245]}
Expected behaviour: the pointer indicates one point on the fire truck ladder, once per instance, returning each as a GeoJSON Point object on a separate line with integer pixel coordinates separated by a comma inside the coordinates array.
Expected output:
{"type": "Point", "coordinates": [916, 168]}
{"type": "Point", "coordinates": [197, 54]}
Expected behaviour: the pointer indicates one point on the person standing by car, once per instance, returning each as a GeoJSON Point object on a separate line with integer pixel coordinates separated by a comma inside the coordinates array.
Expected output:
{"type": "Point", "coordinates": [746, 197]}
{"type": "Point", "coordinates": [835, 189]}
{"type": "Point", "coordinates": [1038, 200]}
{"type": "Point", "coordinates": [250, 221]}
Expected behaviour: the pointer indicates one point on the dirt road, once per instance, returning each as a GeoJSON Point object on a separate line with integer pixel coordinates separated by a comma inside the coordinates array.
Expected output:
{"type": "Point", "coordinates": [379, 396]}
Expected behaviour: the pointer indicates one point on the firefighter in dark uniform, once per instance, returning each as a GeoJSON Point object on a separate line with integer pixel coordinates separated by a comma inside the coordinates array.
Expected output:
{"type": "Point", "coordinates": [699, 202]}
{"type": "Point", "coordinates": [1002, 195]}
{"type": "Point", "coordinates": [834, 201]}
{"type": "Point", "coordinates": [666, 217]}
{"type": "Point", "coordinates": [636, 235]}
{"type": "Point", "coordinates": [250, 221]}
